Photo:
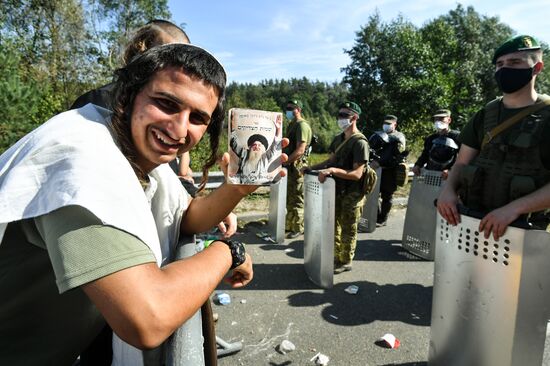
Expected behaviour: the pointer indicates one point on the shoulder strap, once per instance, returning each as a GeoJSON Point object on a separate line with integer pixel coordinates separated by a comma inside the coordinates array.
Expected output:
{"type": "Point", "coordinates": [545, 101]}
{"type": "Point", "coordinates": [356, 136]}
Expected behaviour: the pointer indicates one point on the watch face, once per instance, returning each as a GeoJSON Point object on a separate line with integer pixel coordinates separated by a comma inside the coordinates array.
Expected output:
{"type": "Point", "coordinates": [237, 252]}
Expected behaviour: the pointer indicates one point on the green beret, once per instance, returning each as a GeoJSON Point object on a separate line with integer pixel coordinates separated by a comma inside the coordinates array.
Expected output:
{"type": "Point", "coordinates": [515, 44]}
{"type": "Point", "coordinates": [298, 103]}
{"type": "Point", "coordinates": [442, 113]}
{"type": "Point", "coordinates": [351, 105]}
{"type": "Point", "coordinates": [390, 118]}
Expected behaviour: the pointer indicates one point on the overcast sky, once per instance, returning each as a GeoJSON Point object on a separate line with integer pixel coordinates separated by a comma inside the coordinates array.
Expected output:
{"type": "Point", "coordinates": [282, 39]}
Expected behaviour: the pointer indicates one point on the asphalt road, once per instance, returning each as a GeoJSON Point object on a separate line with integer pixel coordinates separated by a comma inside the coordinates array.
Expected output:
{"type": "Point", "coordinates": [394, 296]}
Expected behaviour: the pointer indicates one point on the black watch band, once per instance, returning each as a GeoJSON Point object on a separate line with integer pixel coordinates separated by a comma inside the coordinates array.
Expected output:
{"type": "Point", "coordinates": [238, 253]}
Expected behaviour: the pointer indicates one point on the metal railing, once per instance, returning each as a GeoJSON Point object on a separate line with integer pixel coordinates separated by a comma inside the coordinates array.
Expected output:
{"type": "Point", "coordinates": [216, 178]}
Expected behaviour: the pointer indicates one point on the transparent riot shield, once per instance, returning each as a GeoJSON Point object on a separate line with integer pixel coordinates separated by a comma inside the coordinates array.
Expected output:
{"type": "Point", "coordinates": [277, 210]}
{"type": "Point", "coordinates": [491, 298]}
{"type": "Point", "coordinates": [319, 229]}
{"type": "Point", "coordinates": [420, 220]}
{"type": "Point", "coordinates": [367, 221]}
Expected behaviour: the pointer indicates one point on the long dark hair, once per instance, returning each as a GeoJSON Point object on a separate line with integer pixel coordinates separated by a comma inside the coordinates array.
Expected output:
{"type": "Point", "coordinates": [131, 79]}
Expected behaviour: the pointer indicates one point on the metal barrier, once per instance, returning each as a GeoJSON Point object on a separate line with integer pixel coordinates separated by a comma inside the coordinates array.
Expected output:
{"type": "Point", "coordinates": [491, 299]}
{"type": "Point", "coordinates": [367, 221]}
{"type": "Point", "coordinates": [420, 220]}
{"type": "Point", "coordinates": [185, 346]}
{"type": "Point", "coordinates": [319, 229]}
{"type": "Point", "coordinates": [277, 210]}
{"type": "Point", "coordinates": [215, 179]}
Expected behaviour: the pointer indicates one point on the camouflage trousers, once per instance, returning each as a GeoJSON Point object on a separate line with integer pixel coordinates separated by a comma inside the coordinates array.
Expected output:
{"type": "Point", "coordinates": [348, 210]}
{"type": "Point", "coordinates": [294, 199]}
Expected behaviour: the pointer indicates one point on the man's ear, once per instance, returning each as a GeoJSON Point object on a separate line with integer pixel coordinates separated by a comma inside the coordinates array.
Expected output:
{"type": "Point", "coordinates": [537, 69]}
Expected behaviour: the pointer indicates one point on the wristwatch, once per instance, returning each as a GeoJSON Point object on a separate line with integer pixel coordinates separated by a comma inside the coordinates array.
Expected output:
{"type": "Point", "coordinates": [237, 252]}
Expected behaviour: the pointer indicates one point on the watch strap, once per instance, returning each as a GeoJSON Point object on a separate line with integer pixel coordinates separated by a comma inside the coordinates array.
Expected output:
{"type": "Point", "coordinates": [238, 252]}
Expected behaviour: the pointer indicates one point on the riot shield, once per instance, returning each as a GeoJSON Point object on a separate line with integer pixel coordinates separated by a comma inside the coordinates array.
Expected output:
{"type": "Point", "coordinates": [491, 299]}
{"type": "Point", "coordinates": [319, 229]}
{"type": "Point", "coordinates": [367, 221]}
{"type": "Point", "coordinates": [420, 220]}
{"type": "Point", "coordinates": [277, 210]}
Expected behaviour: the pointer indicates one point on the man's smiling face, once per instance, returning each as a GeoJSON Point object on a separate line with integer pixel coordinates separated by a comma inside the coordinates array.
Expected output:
{"type": "Point", "coordinates": [170, 115]}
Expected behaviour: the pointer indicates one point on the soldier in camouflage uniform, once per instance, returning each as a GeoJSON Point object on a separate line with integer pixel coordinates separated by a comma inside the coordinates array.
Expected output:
{"type": "Point", "coordinates": [505, 172]}
{"type": "Point", "coordinates": [299, 136]}
{"type": "Point", "coordinates": [349, 152]}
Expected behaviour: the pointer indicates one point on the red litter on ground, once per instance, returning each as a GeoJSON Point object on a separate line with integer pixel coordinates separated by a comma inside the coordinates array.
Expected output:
{"type": "Point", "coordinates": [389, 341]}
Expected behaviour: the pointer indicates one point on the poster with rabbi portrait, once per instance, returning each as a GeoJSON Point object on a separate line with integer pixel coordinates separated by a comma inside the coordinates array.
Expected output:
{"type": "Point", "coordinates": [254, 146]}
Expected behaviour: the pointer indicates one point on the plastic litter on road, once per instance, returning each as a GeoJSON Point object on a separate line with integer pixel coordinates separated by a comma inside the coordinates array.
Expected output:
{"type": "Point", "coordinates": [222, 298]}
{"type": "Point", "coordinates": [286, 346]}
{"type": "Point", "coordinates": [320, 359]}
{"type": "Point", "coordinates": [388, 340]}
{"type": "Point", "coordinates": [352, 289]}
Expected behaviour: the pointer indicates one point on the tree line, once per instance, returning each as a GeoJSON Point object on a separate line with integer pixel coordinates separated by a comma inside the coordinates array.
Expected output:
{"type": "Point", "coordinates": [52, 51]}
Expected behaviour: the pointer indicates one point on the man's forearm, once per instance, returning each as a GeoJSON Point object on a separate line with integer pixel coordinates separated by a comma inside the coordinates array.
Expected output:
{"type": "Point", "coordinates": [422, 159]}
{"type": "Point", "coordinates": [206, 212]}
{"type": "Point", "coordinates": [293, 157]}
{"type": "Point", "coordinates": [453, 178]}
{"type": "Point", "coordinates": [354, 174]}
{"type": "Point", "coordinates": [533, 202]}
{"type": "Point", "coordinates": [145, 304]}
{"type": "Point", "coordinates": [297, 153]}
{"type": "Point", "coordinates": [322, 165]}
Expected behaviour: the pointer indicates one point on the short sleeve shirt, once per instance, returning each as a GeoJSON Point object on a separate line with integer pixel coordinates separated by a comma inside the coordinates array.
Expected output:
{"type": "Point", "coordinates": [298, 131]}
{"type": "Point", "coordinates": [354, 152]}
{"type": "Point", "coordinates": [43, 261]}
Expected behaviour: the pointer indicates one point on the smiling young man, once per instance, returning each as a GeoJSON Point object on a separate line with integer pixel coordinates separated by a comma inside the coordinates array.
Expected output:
{"type": "Point", "coordinates": [503, 166]}
{"type": "Point", "coordinates": [89, 212]}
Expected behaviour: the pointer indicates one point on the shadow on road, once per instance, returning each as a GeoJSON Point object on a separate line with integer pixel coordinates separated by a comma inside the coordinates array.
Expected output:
{"type": "Point", "coordinates": [408, 303]}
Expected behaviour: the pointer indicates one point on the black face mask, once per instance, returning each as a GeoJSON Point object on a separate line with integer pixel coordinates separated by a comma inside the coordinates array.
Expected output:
{"type": "Point", "coordinates": [510, 80]}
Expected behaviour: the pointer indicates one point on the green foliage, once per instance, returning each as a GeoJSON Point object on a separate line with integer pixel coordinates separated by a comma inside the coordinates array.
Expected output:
{"type": "Point", "coordinates": [320, 100]}
{"type": "Point", "coordinates": [51, 52]}
{"type": "Point", "coordinates": [316, 158]}
{"type": "Point", "coordinates": [114, 21]}
{"type": "Point", "coordinates": [408, 71]}
{"type": "Point", "coordinates": [19, 99]}
{"type": "Point", "coordinates": [201, 152]}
